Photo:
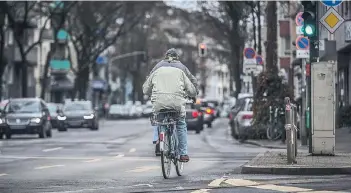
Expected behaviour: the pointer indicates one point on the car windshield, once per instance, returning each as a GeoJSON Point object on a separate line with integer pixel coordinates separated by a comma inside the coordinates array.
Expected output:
{"type": "Point", "coordinates": [77, 107]}
{"type": "Point", "coordinates": [23, 107]}
{"type": "Point", "coordinates": [52, 108]}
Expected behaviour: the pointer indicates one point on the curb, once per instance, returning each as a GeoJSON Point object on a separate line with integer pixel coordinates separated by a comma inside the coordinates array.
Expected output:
{"type": "Point", "coordinates": [247, 169]}
{"type": "Point", "coordinates": [264, 146]}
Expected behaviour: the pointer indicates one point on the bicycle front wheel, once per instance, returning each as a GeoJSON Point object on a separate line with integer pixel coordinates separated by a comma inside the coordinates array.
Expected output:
{"type": "Point", "coordinates": [274, 132]}
{"type": "Point", "coordinates": [166, 162]}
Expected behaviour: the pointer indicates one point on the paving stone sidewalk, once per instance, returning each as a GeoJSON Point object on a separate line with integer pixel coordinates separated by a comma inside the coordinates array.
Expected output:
{"type": "Point", "coordinates": [276, 163]}
{"type": "Point", "coordinates": [342, 142]}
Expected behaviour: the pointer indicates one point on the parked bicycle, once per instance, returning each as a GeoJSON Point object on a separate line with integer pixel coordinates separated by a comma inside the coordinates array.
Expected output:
{"type": "Point", "coordinates": [275, 129]}
{"type": "Point", "coordinates": [168, 140]}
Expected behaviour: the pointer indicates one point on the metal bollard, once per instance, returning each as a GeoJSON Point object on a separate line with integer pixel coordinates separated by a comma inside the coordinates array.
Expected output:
{"type": "Point", "coordinates": [295, 127]}
{"type": "Point", "coordinates": [289, 127]}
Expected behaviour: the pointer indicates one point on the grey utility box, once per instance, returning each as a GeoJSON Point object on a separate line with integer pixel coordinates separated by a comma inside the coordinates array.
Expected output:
{"type": "Point", "coordinates": [323, 107]}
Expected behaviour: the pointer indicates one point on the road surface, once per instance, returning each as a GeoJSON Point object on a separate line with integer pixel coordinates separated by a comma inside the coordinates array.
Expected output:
{"type": "Point", "coordinates": [120, 158]}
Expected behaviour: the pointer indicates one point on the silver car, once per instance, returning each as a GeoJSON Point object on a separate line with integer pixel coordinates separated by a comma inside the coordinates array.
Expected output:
{"type": "Point", "coordinates": [243, 121]}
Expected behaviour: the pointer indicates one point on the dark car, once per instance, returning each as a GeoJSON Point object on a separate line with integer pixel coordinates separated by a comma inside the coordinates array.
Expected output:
{"type": "Point", "coordinates": [194, 118]}
{"type": "Point", "coordinates": [53, 109]}
{"type": "Point", "coordinates": [25, 116]}
{"type": "Point", "coordinates": [77, 114]}
{"type": "Point", "coordinates": [208, 113]}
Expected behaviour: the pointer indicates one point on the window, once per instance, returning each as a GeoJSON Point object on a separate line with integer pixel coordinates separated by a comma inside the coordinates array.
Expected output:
{"type": "Point", "coordinates": [287, 43]}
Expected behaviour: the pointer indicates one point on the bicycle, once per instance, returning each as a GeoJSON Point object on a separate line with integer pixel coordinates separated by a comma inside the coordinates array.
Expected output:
{"type": "Point", "coordinates": [168, 140]}
{"type": "Point", "coordinates": [276, 126]}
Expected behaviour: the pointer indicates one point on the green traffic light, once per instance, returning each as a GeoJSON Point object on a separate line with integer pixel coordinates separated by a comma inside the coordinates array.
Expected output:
{"type": "Point", "coordinates": [309, 30]}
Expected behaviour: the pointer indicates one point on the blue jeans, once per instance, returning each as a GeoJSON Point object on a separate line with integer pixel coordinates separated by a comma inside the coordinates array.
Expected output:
{"type": "Point", "coordinates": [182, 136]}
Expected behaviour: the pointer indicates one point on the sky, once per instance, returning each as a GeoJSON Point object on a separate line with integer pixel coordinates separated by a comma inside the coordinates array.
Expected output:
{"type": "Point", "coordinates": [188, 5]}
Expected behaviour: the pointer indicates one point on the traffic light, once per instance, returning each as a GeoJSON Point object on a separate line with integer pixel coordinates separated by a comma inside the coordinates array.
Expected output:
{"type": "Point", "coordinates": [309, 28]}
{"type": "Point", "coordinates": [202, 50]}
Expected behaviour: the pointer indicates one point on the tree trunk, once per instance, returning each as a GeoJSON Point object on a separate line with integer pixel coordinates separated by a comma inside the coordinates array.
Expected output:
{"type": "Point", "coordinates": [45, 77]}
{"type": "Point", "coordinates": [24, 79]}
{"type": "Point", "coordinates": [271, 56]}
{"type": "Point", "coordinates": [254, 26]}
{"type": "Point", "coordinates": [259, 38]}
{"type": "Point", "coordinates": [3, 63]}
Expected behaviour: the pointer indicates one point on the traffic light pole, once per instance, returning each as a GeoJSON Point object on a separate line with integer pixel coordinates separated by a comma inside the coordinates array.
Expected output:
{"type": "Point", "coordinates": [314, 57]}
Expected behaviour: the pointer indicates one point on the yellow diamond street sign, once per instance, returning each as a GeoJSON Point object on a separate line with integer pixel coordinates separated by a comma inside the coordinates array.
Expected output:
{"type": "Point", "coordinates": [331, 20]}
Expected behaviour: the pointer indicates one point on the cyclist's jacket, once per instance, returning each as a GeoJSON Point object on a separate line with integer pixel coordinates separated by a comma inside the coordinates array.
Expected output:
{"type": "Point", "coordinates": [169, 83]}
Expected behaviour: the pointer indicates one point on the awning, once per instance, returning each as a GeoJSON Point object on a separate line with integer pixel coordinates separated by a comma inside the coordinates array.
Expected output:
{"type": "Point", "coordinates": [61, 84]}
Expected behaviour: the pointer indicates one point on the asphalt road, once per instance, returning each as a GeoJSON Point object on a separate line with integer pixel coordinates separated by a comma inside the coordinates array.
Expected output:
{"type": "Point", "coordinates": [120, 158]}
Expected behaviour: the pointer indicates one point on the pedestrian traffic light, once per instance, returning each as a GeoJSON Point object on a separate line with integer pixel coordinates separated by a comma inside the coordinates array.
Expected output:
{"type": "Point", "coordinates": [202, 50]}
{"type": "Point", "coordinates": [309, 28]}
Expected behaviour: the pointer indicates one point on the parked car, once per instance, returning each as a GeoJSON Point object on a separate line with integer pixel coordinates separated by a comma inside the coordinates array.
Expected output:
{"type": "Point", "coordinates": [53, 109]}
{"type": "Point", "coordinates": [242, 123]}
{"type": "Point", "coordinates": [79, 114]}
{"type": "Point", "coordinates": [116, 112]}
{"type": "Point", "coordinates": [25, 116]}
{"type": "Point", "coordinates": [194, 118]}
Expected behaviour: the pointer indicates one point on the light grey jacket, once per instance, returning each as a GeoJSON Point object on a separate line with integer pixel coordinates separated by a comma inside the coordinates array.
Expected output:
{"type": "Point", "coordinates": [169, 83]}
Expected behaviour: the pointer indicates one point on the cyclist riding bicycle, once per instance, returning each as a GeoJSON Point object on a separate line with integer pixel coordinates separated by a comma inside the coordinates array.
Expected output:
{"type": "Point", "coordinates": [169, 83]}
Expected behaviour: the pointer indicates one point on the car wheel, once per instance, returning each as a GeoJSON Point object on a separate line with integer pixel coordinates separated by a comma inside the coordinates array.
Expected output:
{"type": "Point", "coordinates": [198, 130]}
{"type": "Point", "coordinates": [234, 132]}
{"type": "Point", "coordinates": [209, 125]}
{"type": "Point", "coordinates": [42, 133]}
{"type": "Point", "coordinates": [95, 128]}
{"type": "Point", "coordinates": [8, 135]}
{"type": "Point", "coordinates": [49, 133]}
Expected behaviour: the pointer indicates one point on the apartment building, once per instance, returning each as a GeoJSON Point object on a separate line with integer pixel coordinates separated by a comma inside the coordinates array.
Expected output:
{"type": "Point", "coordinates": [217, 86]}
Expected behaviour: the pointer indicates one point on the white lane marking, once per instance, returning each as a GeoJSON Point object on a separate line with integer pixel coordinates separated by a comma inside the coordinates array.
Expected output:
{"type": "Point", "coordinates": [120, 155]}
{"type": "Point", "coordinates": [3, 174]}
{"type": "Point", "coordinates": [92, 160]}
{"type": "Point", "coordinates": [200, 191]}
{"type": "Point", "coordinates": [52, 149]}
{"type": "Point", "coordinates": [137, 185]}
{"type": "Point", "coordinates": [216, 182]}
{"type": "Point", "coordinates": [45, 167]}
{"type": "Point", "coordinates": [144, 169]}
{"type": "Point", "coordinates": [132, 150]}
{"type": "Point", "coordinates": [280, 188]}
{"type": "Point", "coordinates": [85, 190]}
{"type": "Point", "coordinates": [241, 182]}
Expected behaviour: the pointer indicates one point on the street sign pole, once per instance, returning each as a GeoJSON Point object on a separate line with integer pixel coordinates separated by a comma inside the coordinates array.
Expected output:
{"type": "Point", "coordinates": [303, 133]}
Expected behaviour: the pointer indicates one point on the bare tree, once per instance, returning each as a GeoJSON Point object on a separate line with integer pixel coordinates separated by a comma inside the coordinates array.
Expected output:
{"type": "Point", "coordinates": [229, 18]}
{"type": "Point", "coordinates": [94, 26]}
{"type": "Point", "coordinates": [21, 17]}
{"type": "Point", "coordinates": [271, 56]}
{"type": "Point", "coordinates": [62, 14]}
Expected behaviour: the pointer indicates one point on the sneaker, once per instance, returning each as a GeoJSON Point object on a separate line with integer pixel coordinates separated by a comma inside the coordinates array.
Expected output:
{"type": "Point", "coordinates": [184, 158]}
{"type": "Point", "coordinates": [157, 150]}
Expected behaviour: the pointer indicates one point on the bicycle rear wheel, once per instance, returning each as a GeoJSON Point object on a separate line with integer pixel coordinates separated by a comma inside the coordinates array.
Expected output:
{"type": "Point", "coordinates": [166, 162]}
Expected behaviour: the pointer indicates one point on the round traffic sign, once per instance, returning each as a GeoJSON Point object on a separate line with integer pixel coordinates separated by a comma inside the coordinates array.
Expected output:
{"type": "Point", "coordinates": [249, 53]}
{"type": "Point", "coordinates": [299, 19]}
{"type": "Point", "coordinates": [302, 43]}
{"type": "Point", "coordinates": [331, 3]}
{"type": "Point", "coordinates": [101, 60]}
{"type": "Point", "coordinates": [259, 59]}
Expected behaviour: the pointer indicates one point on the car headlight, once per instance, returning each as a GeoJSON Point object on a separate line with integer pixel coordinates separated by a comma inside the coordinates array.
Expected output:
{"type": "Point", "coordinates": [89, 116]}
{"type": "Point", "coordinates": [2, 121]}
{"type": "Point", "coordinates": [61, 118]}
{"type": "Point", "coordinates": [35, 120]}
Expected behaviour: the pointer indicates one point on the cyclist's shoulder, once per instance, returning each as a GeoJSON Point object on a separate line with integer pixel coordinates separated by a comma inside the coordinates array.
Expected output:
{"type": "Point", "coordinates": [175, 64]}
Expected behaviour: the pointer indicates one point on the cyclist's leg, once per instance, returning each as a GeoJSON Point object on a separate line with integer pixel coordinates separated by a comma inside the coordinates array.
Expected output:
{"type": "Point", "coordinates": [155, 137]}
{"type": "Point", "coordinates": [183, 139]}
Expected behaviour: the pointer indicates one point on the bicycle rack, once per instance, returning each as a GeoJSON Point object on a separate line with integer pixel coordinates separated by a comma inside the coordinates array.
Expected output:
{"type": "Point", "coordinates": [291, 130]}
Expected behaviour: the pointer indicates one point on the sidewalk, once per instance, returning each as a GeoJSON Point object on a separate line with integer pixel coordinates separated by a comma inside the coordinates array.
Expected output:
{"type": "Point", "coordinates": [342, 142]}
{"type": "Point", "coordinates": [276, 162]}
